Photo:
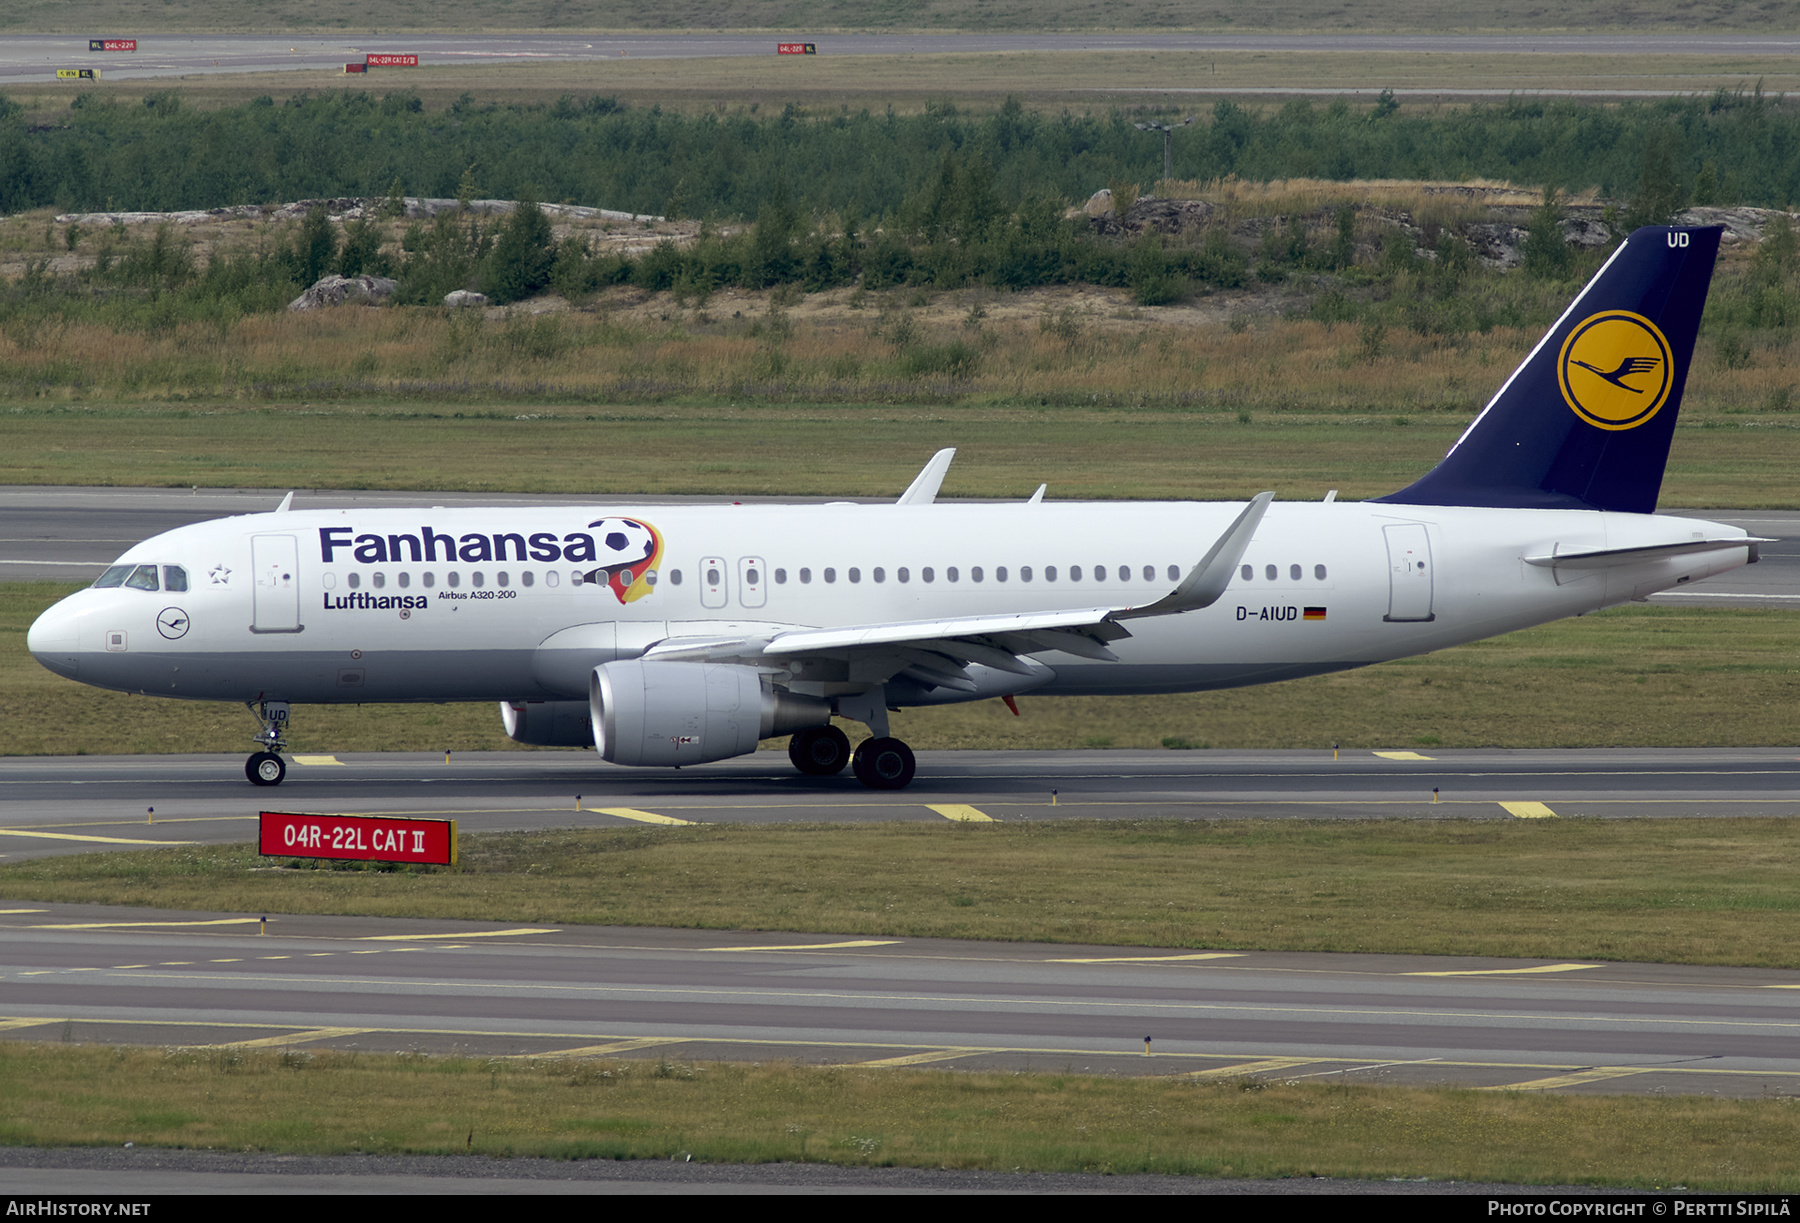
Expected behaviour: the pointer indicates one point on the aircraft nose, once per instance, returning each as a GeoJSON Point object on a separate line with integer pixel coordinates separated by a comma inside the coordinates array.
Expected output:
{"type": "Point", "coordinates": [54, 639]}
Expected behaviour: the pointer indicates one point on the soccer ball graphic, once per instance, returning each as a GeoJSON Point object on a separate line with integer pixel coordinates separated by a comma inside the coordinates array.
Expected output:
{"type": "Point", "coordinates": [622, 541]}
{"type": "Point", "coordinates": [628, 551]}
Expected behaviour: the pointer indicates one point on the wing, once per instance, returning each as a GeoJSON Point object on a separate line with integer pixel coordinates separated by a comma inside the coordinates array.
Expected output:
{"type": "Point", "coordinates": [939, 653]}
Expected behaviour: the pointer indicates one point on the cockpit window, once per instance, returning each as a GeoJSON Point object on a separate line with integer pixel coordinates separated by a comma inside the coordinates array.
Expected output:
{"type": "Point", "coordinates": [142, 578]}
{"type": "Point", "coordinates": [114, 576]}
{"type": "Point", "coordinates": [174, 577]}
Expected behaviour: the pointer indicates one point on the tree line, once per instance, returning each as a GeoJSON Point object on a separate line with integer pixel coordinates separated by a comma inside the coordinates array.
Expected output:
{"type": "Point", "coordinates": [163, 155]}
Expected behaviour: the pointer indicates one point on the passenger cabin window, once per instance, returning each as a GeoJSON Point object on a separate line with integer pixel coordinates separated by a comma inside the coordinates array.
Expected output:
{"type": "Point", "coordinates": [353, 579]}
{"type": "Point", "coordinates": [1269, 571]}
{"type": "Point", "coordinates": [674, 578]}
{"type": "Point", "coordinates": [1319, 572]}
{"type": "Point", "coordinates": [1247, 573]}
{"type": "Point", "coordinates": [1294, 573]}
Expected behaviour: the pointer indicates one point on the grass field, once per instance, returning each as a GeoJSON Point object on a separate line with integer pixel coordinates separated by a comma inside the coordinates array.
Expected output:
{"type": "Point", "coordinates": [852, 451]}
{"type": "Point", "coordinates": [305, 1102]}
{"type": "Point", "coordinates": [1692, 891]}
{"type": "Point", "coordinates": [980, 81]}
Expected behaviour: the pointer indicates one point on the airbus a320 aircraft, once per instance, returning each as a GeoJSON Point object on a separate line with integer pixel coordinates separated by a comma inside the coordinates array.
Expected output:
{"type": "Point", "coordinates": [678, 635]}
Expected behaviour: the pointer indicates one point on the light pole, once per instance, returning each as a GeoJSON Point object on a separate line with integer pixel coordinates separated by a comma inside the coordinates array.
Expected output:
{"type": "Point", "coordinates": [1168, 131]}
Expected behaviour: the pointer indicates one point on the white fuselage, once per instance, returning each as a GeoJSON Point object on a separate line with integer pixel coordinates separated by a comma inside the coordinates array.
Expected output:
{"type": "Point", "coordinates": [393, 616]}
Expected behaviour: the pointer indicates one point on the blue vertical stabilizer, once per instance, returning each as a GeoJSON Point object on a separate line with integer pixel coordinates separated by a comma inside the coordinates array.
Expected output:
{"type": "Point", "coordinates": [1586, 421]}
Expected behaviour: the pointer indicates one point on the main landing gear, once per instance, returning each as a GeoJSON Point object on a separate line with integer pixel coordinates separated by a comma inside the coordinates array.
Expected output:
{"type": "Point", "coordinates": [267, 768]}
{"type": "Point", "coordinates": [881, 763]}
{"type": "Point", "coordinates": [819, 751]}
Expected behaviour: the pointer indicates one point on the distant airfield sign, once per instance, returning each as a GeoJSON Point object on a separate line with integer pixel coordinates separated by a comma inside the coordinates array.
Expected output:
{"type": "Point", "coordinates": [360, 838]}
{"type": "Point", "coordinates": [112, 44]}
{"type": "Point", "coordinates": [796, 48]}
{"type": "Point", "coordinates": [78, 74]}
{"type": "Point", "coordinates": [388, 60]}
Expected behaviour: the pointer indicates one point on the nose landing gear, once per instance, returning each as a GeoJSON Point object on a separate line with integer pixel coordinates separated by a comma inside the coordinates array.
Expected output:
{"type": "Point", "coordinates": [266, 767]}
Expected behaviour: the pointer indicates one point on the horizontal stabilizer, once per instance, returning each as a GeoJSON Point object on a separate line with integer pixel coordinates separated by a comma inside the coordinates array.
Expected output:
{"type": "Point", "coordinates": [1606, 558]}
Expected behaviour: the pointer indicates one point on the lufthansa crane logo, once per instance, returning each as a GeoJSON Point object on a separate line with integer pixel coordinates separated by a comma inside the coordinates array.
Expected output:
{"type": "Point", "coordinates": [1615, 370]}
{"type": "Point", "coordinates": [172, 623]}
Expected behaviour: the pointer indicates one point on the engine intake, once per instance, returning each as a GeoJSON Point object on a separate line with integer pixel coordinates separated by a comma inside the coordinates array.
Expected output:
{"type": "Point", "coordinates": [671, 713]}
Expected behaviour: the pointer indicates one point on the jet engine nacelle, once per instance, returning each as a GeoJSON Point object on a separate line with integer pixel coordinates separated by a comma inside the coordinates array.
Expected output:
{"type": "Point", "coordinates": [548, 723]}
{"type": "Point", "coordinates": [670, 713]}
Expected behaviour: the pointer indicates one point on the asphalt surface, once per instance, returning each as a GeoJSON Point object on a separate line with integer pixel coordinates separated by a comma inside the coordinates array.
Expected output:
{"type": "Point", "coordinates": [37, 57]}
{"type": "Point", "coordinates": [58, 533]}
{"type": "Point", "coordinates": [90, 1172]}
{"type": "Point", "coordinates": [78, 804]}
{"type": "Point", "coordinates": [91, 973]}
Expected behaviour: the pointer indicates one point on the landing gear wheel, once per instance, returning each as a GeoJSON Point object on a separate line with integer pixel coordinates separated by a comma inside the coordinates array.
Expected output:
{"type": "Point", "coordinates": [883, 764]}
{"type": "Point", "coordinates": [819, 751]}
{"type": "Point", "coordinates": [267, 769]}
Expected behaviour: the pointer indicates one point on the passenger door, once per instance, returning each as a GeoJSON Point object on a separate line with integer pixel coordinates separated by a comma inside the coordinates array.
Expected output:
{"type": "Point", "coordinates": [275, 560]}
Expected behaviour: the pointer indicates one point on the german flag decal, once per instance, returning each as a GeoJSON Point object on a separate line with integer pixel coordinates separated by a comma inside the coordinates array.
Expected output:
{"type": "Point", "coordinates": [1313, 613]}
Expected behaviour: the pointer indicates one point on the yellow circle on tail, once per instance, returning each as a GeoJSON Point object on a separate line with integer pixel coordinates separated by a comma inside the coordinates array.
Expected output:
{"type": "Point", "coordinates": [1615, 370]}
